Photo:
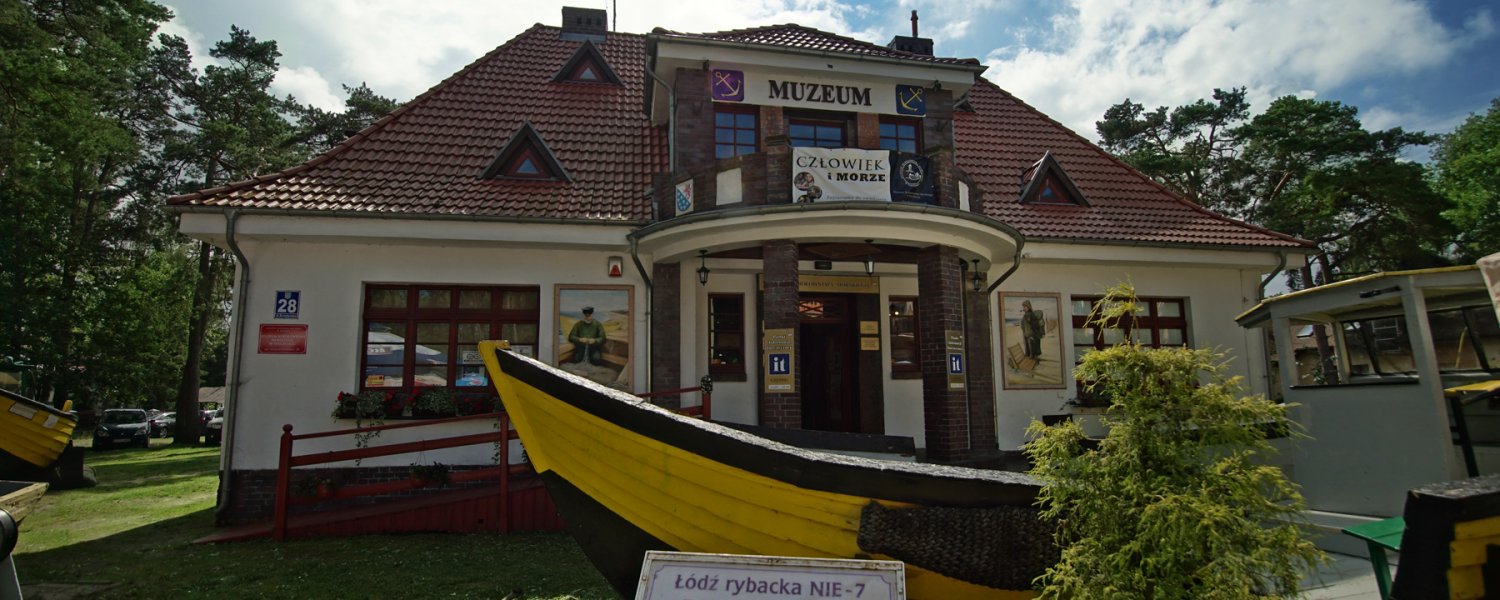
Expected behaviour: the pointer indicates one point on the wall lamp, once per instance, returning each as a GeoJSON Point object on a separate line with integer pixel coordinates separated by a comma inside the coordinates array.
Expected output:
{"type": "Point", "coordinates": [703, 267]}
{"type": "Point", "coordinates": [977, 278]}
{"type": "Point", "coordinates": [869, 261]}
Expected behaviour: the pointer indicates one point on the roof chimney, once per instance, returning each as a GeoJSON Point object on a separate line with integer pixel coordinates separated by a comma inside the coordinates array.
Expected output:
{"type": "Point", "coordinates": [914, 44]}
{"type": "Point", "coordinates": [584, 24]}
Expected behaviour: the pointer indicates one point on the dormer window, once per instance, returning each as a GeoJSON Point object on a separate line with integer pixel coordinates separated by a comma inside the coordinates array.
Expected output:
{"type": "Point", "coordinates": [1047, 183]}
{"type": "Point", "coordinates": [587, 65]}
{"type": "Point", "coordinates": [525, 156]}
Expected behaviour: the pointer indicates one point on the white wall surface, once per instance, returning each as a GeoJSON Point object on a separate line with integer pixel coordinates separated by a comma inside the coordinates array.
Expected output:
{"type": "Point", "coordinates": [300, 389]}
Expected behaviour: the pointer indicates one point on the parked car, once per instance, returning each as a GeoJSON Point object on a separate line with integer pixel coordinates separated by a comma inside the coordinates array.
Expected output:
{"type": "Point", "coordinates": [122, 426]}
{"type": "Point", "coordinates": [163, 424]}
{"type": "Point", "coordinates": [213, 432]}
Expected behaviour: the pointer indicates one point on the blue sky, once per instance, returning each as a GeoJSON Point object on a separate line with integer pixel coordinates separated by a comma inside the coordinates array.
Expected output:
{"type": "Point", "coordinates": [1408, 63]}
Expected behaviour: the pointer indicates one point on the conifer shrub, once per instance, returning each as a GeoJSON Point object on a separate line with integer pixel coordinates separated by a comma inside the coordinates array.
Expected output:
{"type": "Point", "coordinates": [1177, 501]}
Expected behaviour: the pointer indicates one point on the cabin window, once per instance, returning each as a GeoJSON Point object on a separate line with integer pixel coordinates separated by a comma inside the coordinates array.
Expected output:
{"type": "Point", "coordinates": [901, 135]}
{"type": "Point", "coordinates": [1465, 339]}
{"type": "Point", "coordinates": [726, 335]}
{"type": "Point", "coordinates": [805, 133]}
{"type": "Point", "coordinates": [736, 132]}
{"type": "Point", "coordinates": [428, 335]}
{"type": "Point", "coordinates": [905, 341]}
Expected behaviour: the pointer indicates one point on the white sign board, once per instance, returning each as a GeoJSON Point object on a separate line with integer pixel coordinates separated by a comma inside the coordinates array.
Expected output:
{"type": "Point", "coordinates": [840, 174]}
{"type": "Point", "coordinates": [694, 576]}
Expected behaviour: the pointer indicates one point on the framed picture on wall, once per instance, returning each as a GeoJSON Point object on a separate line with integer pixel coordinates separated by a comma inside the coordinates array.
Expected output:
{"type": "Point", "coordinates": [594, 332]}
{"type": "Point", "coordinates": [1031, 347]}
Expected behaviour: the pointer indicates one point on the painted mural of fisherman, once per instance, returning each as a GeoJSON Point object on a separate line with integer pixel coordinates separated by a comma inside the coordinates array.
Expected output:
{"type": "Point", "coordinates": [1033, 327]}
{"type": "Point", "coordinates": [587, 337]}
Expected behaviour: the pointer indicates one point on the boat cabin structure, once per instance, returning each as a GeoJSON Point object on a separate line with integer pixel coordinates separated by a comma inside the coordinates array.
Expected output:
{"type": "Point", "coordinates": [1389, 410]}
{"type": "Point", "coordinates": [841, 235]}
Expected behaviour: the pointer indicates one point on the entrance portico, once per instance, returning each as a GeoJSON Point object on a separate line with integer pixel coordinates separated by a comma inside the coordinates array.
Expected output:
{"type": "Point", "coordinates": [822, 271]}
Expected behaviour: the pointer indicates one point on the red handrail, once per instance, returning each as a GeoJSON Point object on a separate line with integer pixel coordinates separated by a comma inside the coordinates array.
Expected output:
{"type": "Point", "coordinates": [704, 408]}
{"type": "Point", "coordinates": [287, 460]}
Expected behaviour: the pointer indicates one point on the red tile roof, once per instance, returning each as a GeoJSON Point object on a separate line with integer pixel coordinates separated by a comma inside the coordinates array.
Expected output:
{"type": "Point", "coordinates": [797, 36]}
{"type": "Point", "coordinates": [425, 158]}
{"type": "Point", "coordinates": [1004, 137]}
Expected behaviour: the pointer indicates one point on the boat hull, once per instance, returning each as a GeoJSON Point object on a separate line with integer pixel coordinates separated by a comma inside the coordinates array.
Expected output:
{"type": "Point", "coordinates": [32, 432]}
{"type": "Point", "coordinates": [631, 477]}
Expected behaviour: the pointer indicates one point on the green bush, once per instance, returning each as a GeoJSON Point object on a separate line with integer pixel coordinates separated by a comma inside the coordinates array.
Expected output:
{"type": "Point", "coordinates": [1176, 501]}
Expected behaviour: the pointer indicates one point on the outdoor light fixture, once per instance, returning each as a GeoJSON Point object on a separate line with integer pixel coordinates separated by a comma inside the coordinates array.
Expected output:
{"type": "Point", "coordinates": [702, 267]}
{"type": "Point", "coordinates": [870, 261]}
{"type": "Point", "coordinates": [977, 277]}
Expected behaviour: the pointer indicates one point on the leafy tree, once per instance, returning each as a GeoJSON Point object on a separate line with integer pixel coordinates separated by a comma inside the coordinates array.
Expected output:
{"type": "Point", "coordinates": [1191, 150]}
{"type": "Point", "coordinates": [1175, 502]}
{"type": "Point", "coordinates": [1468, 172]}
{"type": "Point", "coordinates": [321, 130]}
{"type": "Point", "coordinates": [77, 116]}
{"type": "Point", "coordinates": [1304, 167]}
{"type": "Point", "coordinates": [231, 128]}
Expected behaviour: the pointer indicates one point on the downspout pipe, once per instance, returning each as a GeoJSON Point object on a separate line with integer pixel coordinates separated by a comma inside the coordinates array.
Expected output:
{"type": "Point", "coordinates": [1015, 263]}
{"type": "Point", "coordinates": [1260, 293]}
{"type": "Point", "coordinates": [232, 377]}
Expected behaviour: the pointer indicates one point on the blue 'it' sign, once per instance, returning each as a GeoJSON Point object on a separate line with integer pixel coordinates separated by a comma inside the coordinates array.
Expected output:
{"type": "Point", "coordinates": [288, 303]}
{"type": "Point", "coordinates": [781, 364]}
{"type": "Point", "coordinates": [955, 364]}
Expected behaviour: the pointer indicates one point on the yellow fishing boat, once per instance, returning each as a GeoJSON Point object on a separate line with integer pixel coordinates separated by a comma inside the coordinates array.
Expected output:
{"type": "Point", "coordinates": [629, 477]}
{"type": "Point", "coordinates": [31, 433]}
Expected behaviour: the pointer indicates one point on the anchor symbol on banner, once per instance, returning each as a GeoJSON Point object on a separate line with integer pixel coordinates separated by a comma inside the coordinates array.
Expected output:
{"type": "Point", "coordinates": [727, 81]}
{"type": "Point", "coordinates": [913, 97]}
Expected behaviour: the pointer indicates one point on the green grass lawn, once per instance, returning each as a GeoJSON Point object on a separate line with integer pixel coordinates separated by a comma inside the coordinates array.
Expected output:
{"type": "Point", "coordinates": [135, 529]}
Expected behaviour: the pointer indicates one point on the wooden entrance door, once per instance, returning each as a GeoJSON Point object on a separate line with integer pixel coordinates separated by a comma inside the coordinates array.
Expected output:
{"type": "Point", "coordinates": [828, 359]}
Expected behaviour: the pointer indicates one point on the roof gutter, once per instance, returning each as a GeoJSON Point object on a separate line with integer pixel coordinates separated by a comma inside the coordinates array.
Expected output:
{"type": "Point", "coordinates": [356, 214]}
{"type": "Point", "coordinates": [232, 378]}
{"type": "Point", "coordinates": [1173, 245]}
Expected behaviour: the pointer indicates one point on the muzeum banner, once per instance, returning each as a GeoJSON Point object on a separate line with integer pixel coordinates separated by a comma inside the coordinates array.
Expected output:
{"type": "Point", "coordinates": [851, 174]}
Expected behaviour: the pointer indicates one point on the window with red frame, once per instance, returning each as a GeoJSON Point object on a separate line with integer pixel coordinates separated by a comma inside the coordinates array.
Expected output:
{"type": "Point", "coordinates": [428, 335]}
{"type": "Point", "coordinates": [905, 338]}
{"type": "Point", "coordinates": [901, 135]}
{"type": "Point", "coordinates": [736, 132]}
{"type": "Point", "coordinates": [726, 334]}
{"type": "Point", "coordinates": [1162, 323]}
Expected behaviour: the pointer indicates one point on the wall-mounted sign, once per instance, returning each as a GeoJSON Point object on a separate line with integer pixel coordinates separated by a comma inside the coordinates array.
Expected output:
{"type": "Point", "coordinates": [851, 174]}
{"type": "Point", "coordinates": [869, 327]}
{"type": "Point", "coordinates": [954, 344]}
{"type": "Point", "coordinates": [869, 343]}
{"type": "Point", "coordinates": [288, 303]}
{"type": "Point", "coordinates": [690, 576]}
{"type": "Point", "coordinates": [780, 361]}
{"type": "Point", "coordinates": [816, 91]}
{"type": "Point", "coordinates": [836, 284]}
{"type": "Point", "coordinates": [283, 339]}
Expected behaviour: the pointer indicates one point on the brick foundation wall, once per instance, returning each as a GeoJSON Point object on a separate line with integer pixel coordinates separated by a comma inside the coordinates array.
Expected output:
{"type": "Point", "coordinates": [945, 411]}
{"type": "Point", "coordinates": [253, 498]}
{"type": "Point", "coordinates": [779, 306]}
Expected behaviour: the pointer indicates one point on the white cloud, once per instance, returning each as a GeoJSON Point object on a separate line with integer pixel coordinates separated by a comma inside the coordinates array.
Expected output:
{"type": "Point", "coordinates": [308, 86]}
{"type": "Point", "coordinates": [401, 48]}
{"type": "Point", "coordinates": [1169, 52]}
{"type": "Point", "coordinates": [194, 39]}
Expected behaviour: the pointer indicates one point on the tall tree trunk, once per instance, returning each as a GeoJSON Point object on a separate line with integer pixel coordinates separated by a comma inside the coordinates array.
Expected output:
{"type": "Point", "coordinates": [188, 424]}
{"type": "Point", "coordinates": [1320, 336]}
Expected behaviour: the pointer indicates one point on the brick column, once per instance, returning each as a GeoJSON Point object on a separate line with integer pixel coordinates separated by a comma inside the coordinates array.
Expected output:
{"type": "Point", "coordinates": [981, 367]}
{"type": "Point", "coordinates": [695, 120]}
{"type": "Point", "coordinates": [945, 411]}
{"type": "Point", "coordinates": [867, 131]}
{"type": "Point", "coordinates": [666, 329]}
{"type": "Point", "coordinates": [779, 311]}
